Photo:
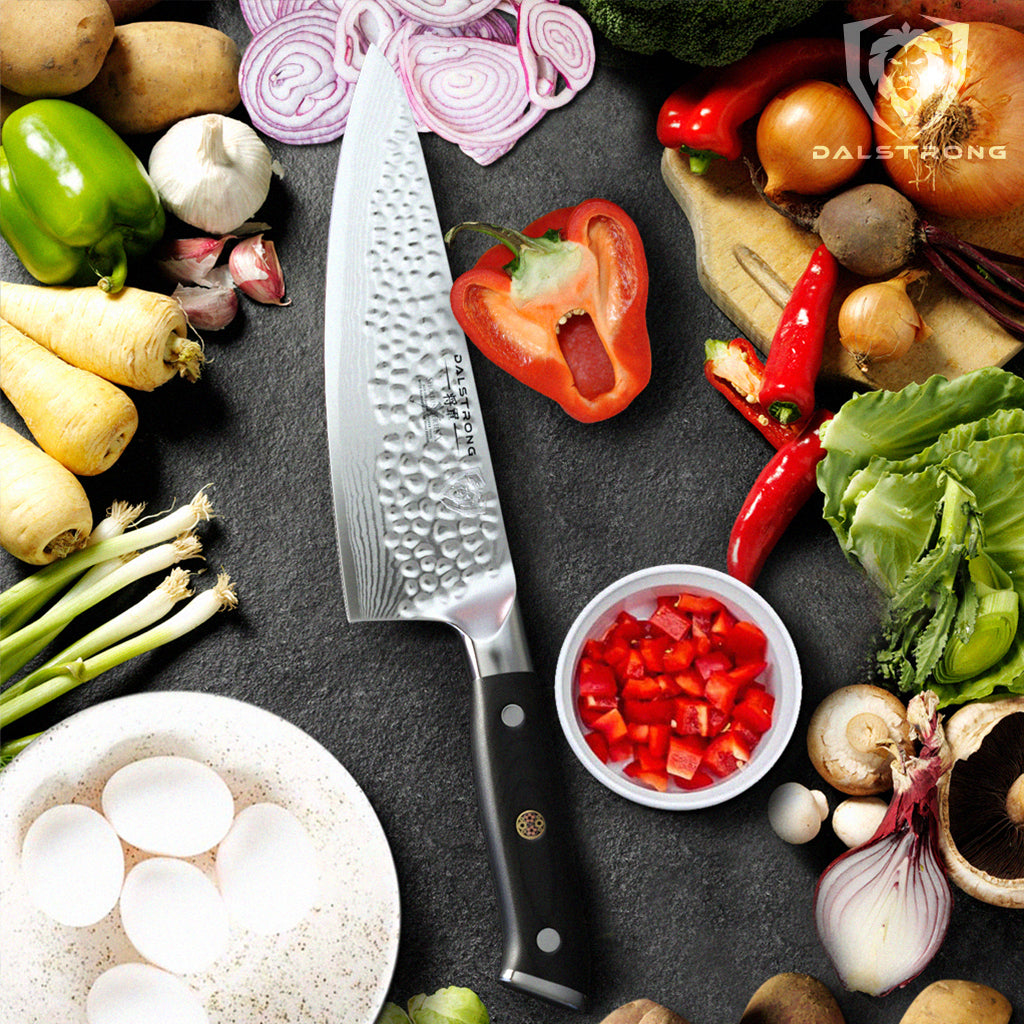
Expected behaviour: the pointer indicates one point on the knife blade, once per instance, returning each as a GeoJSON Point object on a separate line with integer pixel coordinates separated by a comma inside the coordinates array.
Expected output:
{"type": "Point", "coordinates": [419, 526]}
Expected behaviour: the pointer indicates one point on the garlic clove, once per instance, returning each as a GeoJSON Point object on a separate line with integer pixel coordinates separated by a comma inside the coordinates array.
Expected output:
{"type": "Point", "coordinates": [256, 269]}
{"type": "Point", "coordinates": [207, 308]}
{"type": "Point", "coordinates": [190, 260]}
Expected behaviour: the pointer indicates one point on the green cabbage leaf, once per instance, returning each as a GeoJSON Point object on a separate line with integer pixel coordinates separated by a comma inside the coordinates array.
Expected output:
{"type": "Point", "coordinates": [924, 489]}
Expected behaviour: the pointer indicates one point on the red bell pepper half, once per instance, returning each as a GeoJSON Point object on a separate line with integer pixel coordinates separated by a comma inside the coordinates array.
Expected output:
{"type": "Point", "coordinates": [567, 315]}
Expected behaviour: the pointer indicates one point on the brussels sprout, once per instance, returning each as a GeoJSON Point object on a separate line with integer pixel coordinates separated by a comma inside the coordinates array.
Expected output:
{"type": "Point", "coordinates": [451, 1005]}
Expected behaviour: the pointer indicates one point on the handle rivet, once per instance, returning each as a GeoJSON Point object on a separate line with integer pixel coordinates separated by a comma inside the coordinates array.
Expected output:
{"type": "Point", "coordinates": [548, 940]}
{"type": "Point", "coordinates": [513, 715]}
{"type": "Point", "coordinates": [531, 824]}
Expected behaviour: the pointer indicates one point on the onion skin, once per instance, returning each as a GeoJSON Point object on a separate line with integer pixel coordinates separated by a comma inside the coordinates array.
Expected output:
{"type": "Point", "coordinates": [811, 138]}
{"type": "Point", "coordinates": [969, 161]}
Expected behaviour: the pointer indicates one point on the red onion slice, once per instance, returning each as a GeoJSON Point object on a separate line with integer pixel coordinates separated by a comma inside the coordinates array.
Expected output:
{"type": "Point", "coordinates": [360, 23]}
{"type": "Point", "coordinates": [469, 91]}
{"type": "Point", "coordinates": [258, 14]}
{"type": "Point", "coordinates": [288, 82]}
{"type": "Point", "coordinates": [444, 13]}
{"type": "Point", "coordinates": [554, 40]}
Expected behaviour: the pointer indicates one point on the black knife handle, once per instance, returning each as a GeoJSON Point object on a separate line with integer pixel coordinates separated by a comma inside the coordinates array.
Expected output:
{"type": "Point", "coordinates": [529, 843]}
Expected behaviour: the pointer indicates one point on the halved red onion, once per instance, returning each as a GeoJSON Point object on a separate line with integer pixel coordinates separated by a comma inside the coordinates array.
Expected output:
{"type": "Point", "coordinates": [288, 81]}
{"type": "Point", "coordinates": [469, 91]}
{"type": "Point", "coordinates": [553, 41]}
{"type": "Point", "coordinates": [444, 13]}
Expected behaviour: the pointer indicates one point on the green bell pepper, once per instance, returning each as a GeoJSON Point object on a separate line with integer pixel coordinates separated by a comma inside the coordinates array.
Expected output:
{"type": "Point", "coordinates": [74, 198]}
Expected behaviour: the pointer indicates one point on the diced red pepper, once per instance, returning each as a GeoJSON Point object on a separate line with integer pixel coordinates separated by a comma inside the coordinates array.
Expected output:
{"type": "Point", "coordinates": [613, 725]}
{"type": "Point", "coordinates": [721, 689]}
{"type": "Point", "coordinates": [746, 642]}
{"type": "Point", "coordinates": [621, 749]}
{"type": "Point", "coordinates": [716, 661]}
{"type": "Point", "coordinates": [591, 708]}
{"type": "Point", "coordinates": [655, 778]}
{"type": "Point", "coordinates": [655, 702]}
{"type": "Point", "coordinates": [598, 744]}
{"type": "Point", "coordinates": [755, 709]}
{"type": "Point", "coordinates": [657, 739]}
{"type": "Point", "coordinates": [596, 679]}
{"type": "Point", "coordinates": [648, 711]}
{"type": "Point", "coordinates": [692, 717]}
{"type": "Point", "coordinates": [671, 621]}
{"type": "Point", "coordinates": [725, 753]}
{"type": "Point", "coordinates": [652, 651]}
{"type": "Point", "coordinates": [679, 656]}
{"type": "Point", "coordinates": [685, 754]}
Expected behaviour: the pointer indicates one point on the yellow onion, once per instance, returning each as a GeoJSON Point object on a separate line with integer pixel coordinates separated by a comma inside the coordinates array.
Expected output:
{"type": "Point", "coordinates": [811, 138]}
{"type": "Point", "coordinates": [950, 119]}
{"type": "Point", "coordinates": [878, 322]}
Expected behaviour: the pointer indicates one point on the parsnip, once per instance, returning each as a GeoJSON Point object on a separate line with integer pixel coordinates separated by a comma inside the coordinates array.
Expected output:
{"type": "Point", "coordinates": [133, 337]}
{"type": "Point", "coordinates": [80, 419]}
{"type": "Point", "coordinates": [44, 510]}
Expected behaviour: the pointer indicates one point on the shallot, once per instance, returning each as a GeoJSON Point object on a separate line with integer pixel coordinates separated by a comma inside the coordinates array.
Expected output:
{"type": "Point", "coordinates": [882, 909]}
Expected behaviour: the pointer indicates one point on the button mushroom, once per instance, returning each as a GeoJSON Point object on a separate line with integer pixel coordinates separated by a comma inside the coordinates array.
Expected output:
{"type": "Point", "coordinates": [852, 735]}
{"type": "Point", "coordinates": [857, 819]}
{"type": "Point", "coordinates": [795, 812]}
{"type": "Point", "coordinates": [981, 801]}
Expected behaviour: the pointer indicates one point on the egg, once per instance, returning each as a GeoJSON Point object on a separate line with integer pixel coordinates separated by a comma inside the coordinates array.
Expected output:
{"type": "Point", "coordinates": [171, 806]}
{"type": "Point", "coordinates": [174, 915]}
{"type": "Point", "coordinates": [130, 993]}
{"type": "Point", "coordinates": [73, 864]}
{"type": "Point", "coordinates": [267, 869]}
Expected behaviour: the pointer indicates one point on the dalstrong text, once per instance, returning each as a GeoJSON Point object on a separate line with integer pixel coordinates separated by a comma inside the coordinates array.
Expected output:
{"type": "Point", "coordinates": [884, 151]}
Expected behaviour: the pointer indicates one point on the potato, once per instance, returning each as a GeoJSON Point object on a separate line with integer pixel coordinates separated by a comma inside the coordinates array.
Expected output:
{"type": "Point", "coordinates": [53, 48]}
{"type": "Point", "coordinates": [159, 72]}
{"type": "Point", "coordinates": [792, 999]}
{"type": "Point", "coordinates": [643, 1011]}
{"type": "Point", "coordinates": [958, 1002]}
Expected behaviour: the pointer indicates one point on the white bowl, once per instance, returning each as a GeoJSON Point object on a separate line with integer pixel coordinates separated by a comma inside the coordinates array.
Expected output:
{"type": "Point", "coordinates": [637, 594]}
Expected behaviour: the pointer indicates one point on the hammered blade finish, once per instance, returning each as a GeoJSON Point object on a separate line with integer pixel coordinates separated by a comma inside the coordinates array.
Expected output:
{"type": "Point", "coordinates": [420, 533]}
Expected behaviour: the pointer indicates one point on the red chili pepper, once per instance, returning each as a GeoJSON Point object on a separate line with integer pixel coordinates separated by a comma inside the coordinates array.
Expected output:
{"type": "Point", "coordinates": [567, 316]}
{"type": "Point", "coordinates": [794, 359]}
{"type": "Point", "coordinates": [704, 117]}
{"type": "Point", "coordinates": [735, 368]}
{"type": "Point", "coordinates": [779, 492]}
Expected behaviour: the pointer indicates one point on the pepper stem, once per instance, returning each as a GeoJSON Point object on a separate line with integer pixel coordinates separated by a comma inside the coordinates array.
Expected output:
{"type": "Point", "coordinates": [784, 412]}
{"type": "Point", "coordinates": [109, 252]}
{"type": "Point", "coordinates": [514, 240]}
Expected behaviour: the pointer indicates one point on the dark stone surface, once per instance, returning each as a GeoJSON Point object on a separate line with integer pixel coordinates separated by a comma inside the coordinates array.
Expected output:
{"type": "Point", "coordinates": [692, 910]}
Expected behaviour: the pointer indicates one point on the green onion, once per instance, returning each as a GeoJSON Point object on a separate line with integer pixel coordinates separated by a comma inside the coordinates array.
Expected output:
{"type": "Point", "coordinates": [197, 611]}
{"type": "Point", "coordinates": [153, 607]}
{"type": "Point", "coordinates": [153, 560]}
{"type": "Point", "coordinates": [42, 585]}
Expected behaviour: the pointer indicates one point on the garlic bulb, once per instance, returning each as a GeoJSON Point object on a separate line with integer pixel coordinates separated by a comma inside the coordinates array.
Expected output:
{"type": "Point", "coordinates": [211, 171]}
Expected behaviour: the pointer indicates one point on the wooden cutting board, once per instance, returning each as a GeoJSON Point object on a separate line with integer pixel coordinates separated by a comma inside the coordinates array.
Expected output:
{"type": "Point", "coordinates": [727, 216]}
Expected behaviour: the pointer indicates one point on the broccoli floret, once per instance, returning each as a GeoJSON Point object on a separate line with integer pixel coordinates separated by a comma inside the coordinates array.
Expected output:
{"type": "Point", "coordinates": [709, 33]}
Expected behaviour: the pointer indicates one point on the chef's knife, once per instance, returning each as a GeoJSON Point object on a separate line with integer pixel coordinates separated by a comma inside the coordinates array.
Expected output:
{"type": "Point", "coordinates": [420, 532]}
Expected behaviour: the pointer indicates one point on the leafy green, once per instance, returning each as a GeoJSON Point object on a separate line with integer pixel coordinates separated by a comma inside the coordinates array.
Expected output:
{"type": "Point", "coordinates": [451, 1005]}
{"type": "Point", "coordinates": [924, 489]}
{"type": "Point", "coordinates": [710, 33]}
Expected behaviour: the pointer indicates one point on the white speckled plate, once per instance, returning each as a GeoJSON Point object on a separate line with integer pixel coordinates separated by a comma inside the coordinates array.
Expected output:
{"type": "Point", "coordinates": [336, 965]}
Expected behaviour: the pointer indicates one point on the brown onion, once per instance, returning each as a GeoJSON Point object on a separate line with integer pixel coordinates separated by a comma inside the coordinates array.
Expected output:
{"type": "Point", "coordinates": [811, 138]}
{"type": "Point", "coordinates": [950, 124]}
{"type": "Point", "coordinates": [878, 321]}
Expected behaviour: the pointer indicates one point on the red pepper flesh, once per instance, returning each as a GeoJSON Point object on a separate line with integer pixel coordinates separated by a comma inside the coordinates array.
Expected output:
{"type": "Point", "coordinates": [567, 317]}
{"type": "Point", "coordinates": [781, 489]}
{"type": "Point", "coordinates": [794, 359]}
{"type": "Point", "coordinates": [706, 118]}
{"type": "Point", "coordinates": [735, 369]}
